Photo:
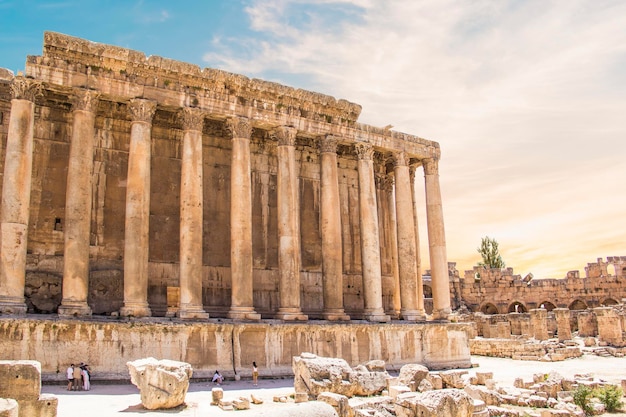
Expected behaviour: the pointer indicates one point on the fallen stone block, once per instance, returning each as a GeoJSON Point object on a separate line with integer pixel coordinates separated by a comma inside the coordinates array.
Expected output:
{"type": "Point", "coordinates": [217, 394]}
{"type": "Point", "coordinates": [480, 392]}
{"type": "Point", "coordinates": [308, 409]}
{"type": "Point", "coordinates": [255, 399]}
{"type": "Point", "coordinates": [280, 399]}
{"type": "Point", "coordinates": [555, 413]}
{"type": "Point", "coordinates": [337, 401]}
{"type": "Point", "coordinates": [162, 384]}
{"type": "Point", "coordinates": [20, 380]}
{"type": "Point", "coordinates": [438, 403]}
{"type": "Point", "coordinates": [453, 379]}
{"type": "Point", "coordinates": [396, 390]}
{"type": "Point", "coordinates": [241, 403]}
{"type": "Point", "coordinates": [412, 374]}
{"type": "Point", "coordinates": [482, 377]}
{"type": "Point", "coordinates": [301, 397]}
{"type": "Point", "coordinates": [502, 412]}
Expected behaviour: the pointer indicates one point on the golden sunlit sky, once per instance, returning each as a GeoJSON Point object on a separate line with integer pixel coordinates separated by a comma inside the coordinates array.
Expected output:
{"type": "Point", "coordinates": [526, 98]}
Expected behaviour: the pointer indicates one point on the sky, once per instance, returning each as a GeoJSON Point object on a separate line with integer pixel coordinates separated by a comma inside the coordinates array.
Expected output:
{"type": "Point", "coordinates": [527, 98]}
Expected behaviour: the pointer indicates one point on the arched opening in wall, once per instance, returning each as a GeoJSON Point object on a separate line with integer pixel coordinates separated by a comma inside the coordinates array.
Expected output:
{"type": "Point", "coordinates": [428, 291]}
{"type": "Point", "coordinates": [609, 302]}
{"type": "Point", "coordinates": [578, 305]}
{"type": "Point", "coordinates": [611, 270]}
{"type": "Point", "coordinates": [517, 307]}
{"type": "Point", "coordinates": [547, 305]}
{"type": "Point", "coordinates": [489, 309]}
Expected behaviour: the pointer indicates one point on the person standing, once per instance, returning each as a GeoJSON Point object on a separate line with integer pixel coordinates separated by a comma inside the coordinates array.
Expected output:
{"type": "Point", "coordinates": [255, 374]}
{"type": "Point", "coordinates": [77, 376]}
{"type": "Point", "coordinates": [84, 370]}
{"type": "Point", "coordinates": [70, 376]}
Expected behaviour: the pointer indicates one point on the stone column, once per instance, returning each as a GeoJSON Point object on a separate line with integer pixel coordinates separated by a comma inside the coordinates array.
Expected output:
{"type": "Point", "coordinates": [191, 215]}
{"type": "Point", "coordinates": [563, 329]}
{"type": "Point", "coordinates": [370, 239]}
{"type": "Point", "coordinates": [539, 323]}
{"type": "Point", "coordinates": [136, 244]}
{"type": "Point", "coordinates": [609, 326]}
{"type": "Point", "coordinates": [405, 218]}
{"type": "Point", "coordinates": [436, 241]}
{"type": "Point", "coordinates": [242, 305]}
{"type": "Point", "coordinates": [15, 206]}
{"type": "Point", "coordinates": [388, 187]}
{"type": "Point", "coordinates": [330, 214]}
{"type": "Point", "coordinates": [418, 256]}
{"type": "Point", "coordinates": [288, 226]}
{"type": "Point", "coordinates": [78, 198]}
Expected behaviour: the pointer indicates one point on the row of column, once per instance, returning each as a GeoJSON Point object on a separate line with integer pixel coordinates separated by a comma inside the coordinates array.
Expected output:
{"type": "Point", "coordinates": [16, 200]}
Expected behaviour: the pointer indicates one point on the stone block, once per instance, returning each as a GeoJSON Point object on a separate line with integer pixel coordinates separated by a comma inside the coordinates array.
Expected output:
{"type": "Point", "coordinates": [301, 397]}
{"type": "Point", "coordinates": [20, 380]}
{"type": "Point", "coordinates": [439, 403]}
{"type": "Point", "coordinates": [217, 394]}
{"type": "Point", "coordinates": [481, 377]}
{"type": "Point", "coordinates": [255, 399]}
{"type": "Point", "coordinates": [339, 403]}
{"type": "Point", "coordinates": [241, 403]}
{"type": "Point", "coordinates": [412, 374]}
{"type": "Point", "coordinates": [45, 406]}
{"type": "Point", "coordinates": [396, 390]}
{"type": "Point", "coordinates": [162, 384]}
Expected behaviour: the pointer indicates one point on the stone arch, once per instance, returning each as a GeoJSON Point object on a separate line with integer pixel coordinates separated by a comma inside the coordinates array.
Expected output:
{"type": "Point", "coordinates": [578, 305]}
{"type": "Point", "coordinates": [609, 302]}
{"type": "Point", "coordinates": [548, 305]}
{"type": "Point", "coordinates": [521, 308]}
{"type": "Point", "coordinates": [428, 291]}
{"type": "Point", "coordinates": [489, 309]}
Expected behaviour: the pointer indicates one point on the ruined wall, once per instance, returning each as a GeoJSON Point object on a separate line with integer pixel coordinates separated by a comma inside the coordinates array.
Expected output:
{"type": "Point", "coordinates": [107, 345]}
{"type": "Point", "coordinates": [495, 291]}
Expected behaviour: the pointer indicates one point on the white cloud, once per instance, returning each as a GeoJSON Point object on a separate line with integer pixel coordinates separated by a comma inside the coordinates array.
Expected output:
{"type": "Point", "coordinates": [526, 99]}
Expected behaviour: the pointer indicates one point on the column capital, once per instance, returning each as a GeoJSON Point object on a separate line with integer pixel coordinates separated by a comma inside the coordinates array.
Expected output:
{"type": "Point", "coordinates": [23, 88]}
{"type": "Point", "coordinates": [364, 151]}
{"type": "Point", "coordinates": [285, 135]}
{"type": "Point", "coordinates": [239, 127]}
{"type": "Point", "coordinates": [431, 166]}
{"type": "Point", "coordinates": [400, 159]}
{"type": "Point", "coordinates": [191, 118]}
{"type": "Point", "coordinates": [328, 143]}
{"type": "Point", "coordinates": [385, 182]}
{"type": "Point", "coordinates": [86, 100]}
{"type": "Point", "coordinates": [142, 110]}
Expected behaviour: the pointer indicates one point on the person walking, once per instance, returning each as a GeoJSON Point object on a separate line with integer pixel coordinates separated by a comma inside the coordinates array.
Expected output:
{"type": "Point", "coordinates": [70, 376]}
{"type": "Point", "coordinates": [255, 374]}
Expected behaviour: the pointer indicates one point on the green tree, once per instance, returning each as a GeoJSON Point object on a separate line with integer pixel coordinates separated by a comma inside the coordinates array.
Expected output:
{"type": "Point", "coordinates": [489, 251]}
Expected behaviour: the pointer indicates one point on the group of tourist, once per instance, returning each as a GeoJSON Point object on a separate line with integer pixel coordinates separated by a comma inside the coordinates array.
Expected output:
{"type": "Point", "coordinates": [218, 378]}
{"type": "Point", "coordinates": [78, 377]}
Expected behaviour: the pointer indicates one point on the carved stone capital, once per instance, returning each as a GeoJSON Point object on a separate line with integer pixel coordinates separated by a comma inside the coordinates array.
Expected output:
{"type": "Point", "coordinates": [431, 166]}
{"type": "Point", "coordinates": [23, 88]}
{"type": "Point", "coordinates": [239, 127]}
{"type": "Point", "coordinates": [328, 143]}
{"type": "Point", "coordinates": [364, 151]}
{"type": "Point", "coordinates": [285, 135]}
{"type": "Point", "coordinates": [400, 159]}
{"type": "Point", "coordinates": [191, 119]}
{"type": "Point", "coordinates": [385, 182]}
{"type": "Point", "coordinates": [142, 110]}
{"type": "Point", "coordinates": [86, 100]}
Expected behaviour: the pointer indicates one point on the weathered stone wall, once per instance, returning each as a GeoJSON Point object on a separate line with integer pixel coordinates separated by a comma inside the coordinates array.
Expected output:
{"type": "Point", "coordinates": [494, 291]}
{"type": "Point", "coordinates": [107, 345]}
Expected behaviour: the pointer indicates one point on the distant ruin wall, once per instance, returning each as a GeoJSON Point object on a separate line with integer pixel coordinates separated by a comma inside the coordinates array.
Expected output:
{"type": "Point", "coordinates": [107, 345]}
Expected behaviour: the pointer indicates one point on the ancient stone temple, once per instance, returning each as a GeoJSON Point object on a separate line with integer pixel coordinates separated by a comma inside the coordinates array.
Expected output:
{"type": "Point", "coordinates": [140, 187]}
{"type": "Point", "coordinates": [135, 184]}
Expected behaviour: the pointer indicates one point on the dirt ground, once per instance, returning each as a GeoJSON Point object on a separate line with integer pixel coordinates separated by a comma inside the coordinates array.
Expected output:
{"type": "Point", "coordinates": [124, 400]}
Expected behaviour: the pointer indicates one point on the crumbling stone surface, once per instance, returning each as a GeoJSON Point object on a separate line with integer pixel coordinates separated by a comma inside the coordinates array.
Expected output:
{"type": "Point", "coordinates": [439, 403]}
{"type": "Point", "coordinates": [412, 374]}
{"type": "Point", "coordinates": [314, 374]}
{"type": "Point", "coordinates": [162, 383]}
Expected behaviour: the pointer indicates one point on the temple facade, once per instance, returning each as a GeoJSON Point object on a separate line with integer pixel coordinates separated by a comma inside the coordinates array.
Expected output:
{"type": "Point", "coordinates": [143, 186]}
